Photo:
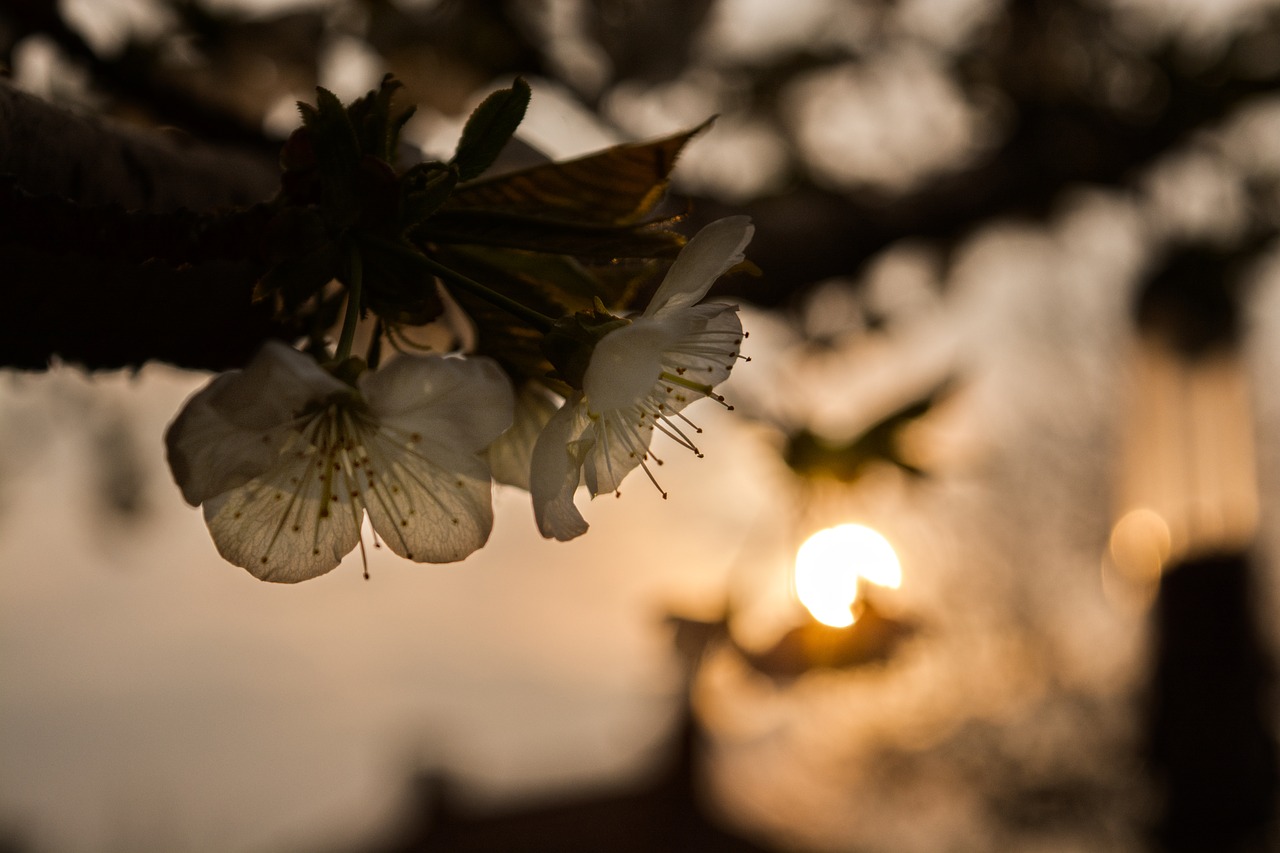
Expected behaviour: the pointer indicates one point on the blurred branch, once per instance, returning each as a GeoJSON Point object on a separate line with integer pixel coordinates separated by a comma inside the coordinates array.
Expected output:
{"type": "Point", "coordinates": [53, 151]}
{"type": "Point", "coordinates": [1062, 131]}
{"type": "Point", "coordinates": [134, 76]}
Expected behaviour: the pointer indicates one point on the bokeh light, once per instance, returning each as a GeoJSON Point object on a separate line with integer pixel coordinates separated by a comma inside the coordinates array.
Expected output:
{"type": "Point", "coordinates": [830, 563]}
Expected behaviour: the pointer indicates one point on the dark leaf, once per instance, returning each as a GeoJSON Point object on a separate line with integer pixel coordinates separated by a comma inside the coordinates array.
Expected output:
{"type": "Point", "coordinates": [558, 284]}
{"type": "Point", "coordinates": [552, 285]}
{"type": "Point", "coordinates": [377, 129]}
{"type": "Point", "coordinates": [809, 454]}
{"type": "Point", "coordinates": [337, 152]}
{"type": "Point", "coordinates": [398, 285]}
{"type": "Point", "coordinates": [871, 641]}
{"type": "Point", "coordinates": [588, 242]}
{"type": "Point", "coordinates": [296, 280]}
{"type": "Point", "coordinates": [489, 128]}
{"type": "Point", "coordinates": [618, 186]}
{"type": "Point", "coordinates": [426, 187]}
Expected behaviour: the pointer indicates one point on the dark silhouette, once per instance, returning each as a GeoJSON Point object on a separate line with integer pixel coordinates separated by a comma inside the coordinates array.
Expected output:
{"type": "Point", "coordinates": [1212, 750]}
{"type": "Point", "coordinates": [665, 814]}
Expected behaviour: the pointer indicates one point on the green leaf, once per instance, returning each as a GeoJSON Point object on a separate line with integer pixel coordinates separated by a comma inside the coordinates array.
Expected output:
{"type": "Point", "coordinates": [489, 128]}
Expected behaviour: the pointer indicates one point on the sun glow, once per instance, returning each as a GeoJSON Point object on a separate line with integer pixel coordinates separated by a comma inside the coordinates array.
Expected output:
{"type": "Point", "coordinates": [829, 564]}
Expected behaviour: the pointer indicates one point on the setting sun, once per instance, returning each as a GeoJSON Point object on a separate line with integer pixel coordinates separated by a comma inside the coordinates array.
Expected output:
{"type": "Point", "coordinates": [829, 564]}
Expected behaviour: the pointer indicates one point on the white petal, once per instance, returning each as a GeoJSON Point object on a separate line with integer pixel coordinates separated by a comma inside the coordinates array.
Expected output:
{"type": "Point", "coordinates": [556, 470]}
{"type": "Point", "coordinates": [622, 443]}
{"type": "Point", "coordinates": [461, 404]}
{"type": "Point", "coordinates": [231, 431]}
{"type": "Point", "coordinates": [512, 453]}
{"type": "Point", "coordinates": [710, 252]}
{"type": "Point", "coordinates": [294, 523]}
{"type": "Point", "coordinates": [428, 504]}
{"type": "Point", "coordinates": [625, 365]}
{"type": "Point", "coordinates": [705, 354]}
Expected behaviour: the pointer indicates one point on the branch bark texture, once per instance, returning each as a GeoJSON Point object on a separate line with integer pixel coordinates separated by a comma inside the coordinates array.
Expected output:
{"type": "Point", "coordinates": [101, 261]}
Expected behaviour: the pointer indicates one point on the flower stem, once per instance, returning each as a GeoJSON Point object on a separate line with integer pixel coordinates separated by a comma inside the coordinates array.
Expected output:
{"type": "Point", "coordinates": [537, 320]}
{"type": "Point", "coordinates": [354, 287]}
{"type": "Point", "coordinates": [374, 356]}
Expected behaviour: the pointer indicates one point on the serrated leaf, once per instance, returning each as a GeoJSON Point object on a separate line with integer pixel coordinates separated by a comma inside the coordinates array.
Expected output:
{"type": "Point", "coordinates": [489, 128]}
{"type": "Point", "coordinates": [337, 151]}
{"type": "Point", "coordinates": [620, 185]}
{"type": "Point", "coordinates": [377, 129]}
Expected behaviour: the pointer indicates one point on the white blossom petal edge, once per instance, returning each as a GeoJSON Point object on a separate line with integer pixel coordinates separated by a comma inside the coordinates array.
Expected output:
{"type": "Point", "coordinates": [639, 378]}
{"type": "Point", "coordinates": [287, 459]}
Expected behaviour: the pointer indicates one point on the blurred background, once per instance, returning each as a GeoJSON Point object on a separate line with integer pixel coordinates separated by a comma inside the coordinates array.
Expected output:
{"type": "Point", "coordinates": [1019, 315]}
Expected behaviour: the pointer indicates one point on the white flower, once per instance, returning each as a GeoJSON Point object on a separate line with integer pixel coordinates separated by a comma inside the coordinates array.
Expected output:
{"type": "Point", "coordinates": [287, 459]}
{"type": "Point", "coordinates": [510, 454]}
{"type": "Point", "coordinates": [640, 376]}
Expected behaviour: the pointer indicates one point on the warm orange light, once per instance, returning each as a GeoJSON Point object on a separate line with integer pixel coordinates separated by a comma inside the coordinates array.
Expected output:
{"type": "Point", "coordinates": [829, 564]}
{"type": "Point", "coordinates": [1140, 545]}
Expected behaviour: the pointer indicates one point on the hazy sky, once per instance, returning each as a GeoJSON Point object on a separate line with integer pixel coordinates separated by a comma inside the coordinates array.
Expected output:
{"type": "Point", "coordinates": [152, 690]}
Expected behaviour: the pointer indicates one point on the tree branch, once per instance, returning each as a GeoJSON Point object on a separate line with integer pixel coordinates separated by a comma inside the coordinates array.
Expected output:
{"type": "Point", "coordinates": [106, 250]}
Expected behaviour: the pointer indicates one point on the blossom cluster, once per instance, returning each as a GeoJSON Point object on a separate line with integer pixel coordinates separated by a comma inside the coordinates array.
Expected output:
{"type": "Point", "coordinates": [289, 455]}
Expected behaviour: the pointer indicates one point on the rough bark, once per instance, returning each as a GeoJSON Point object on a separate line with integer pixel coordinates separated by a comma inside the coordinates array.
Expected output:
{"type": "Point", "coordinates": [95, 220]}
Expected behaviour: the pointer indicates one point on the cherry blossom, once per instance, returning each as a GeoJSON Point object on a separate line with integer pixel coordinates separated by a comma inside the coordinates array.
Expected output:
{"type": "Point", "coordinates": [641, 375]}
{"type": "Point", "coordinates": [286, 459]}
